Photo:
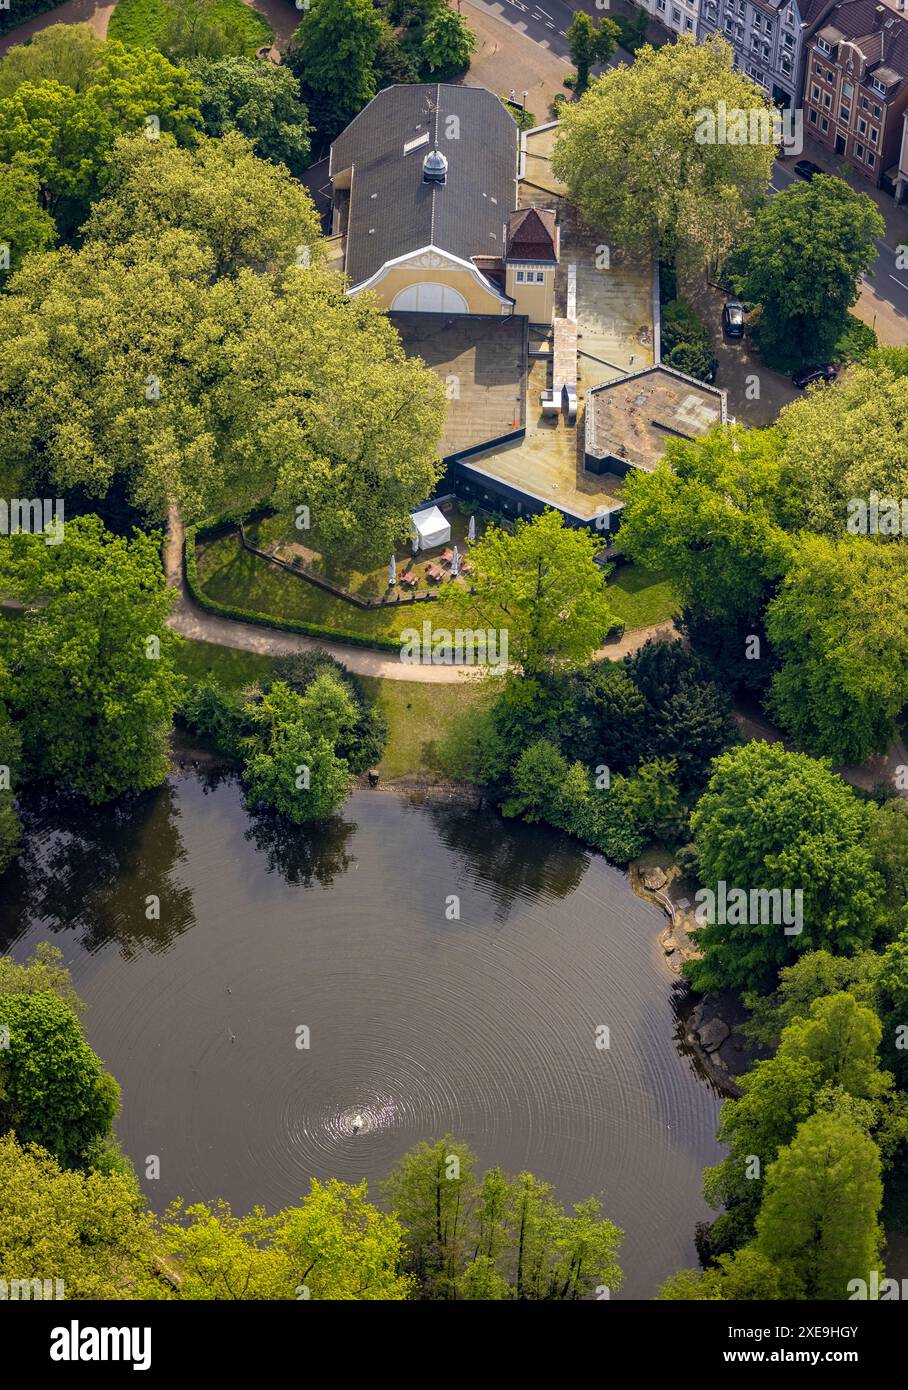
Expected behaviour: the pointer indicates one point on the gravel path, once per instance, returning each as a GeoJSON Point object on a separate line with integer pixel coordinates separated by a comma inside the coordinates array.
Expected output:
{"type": "Point", "coordinates": [192, 621]}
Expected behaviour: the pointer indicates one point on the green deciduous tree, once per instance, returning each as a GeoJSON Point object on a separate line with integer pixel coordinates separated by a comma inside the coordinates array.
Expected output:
{"type": "Point", "coordinates": [838, 624]}
{"type": "Point", "coordinates": [247, 211]}
{"type": "Point", "coordinates": [334, 1245]}
{"type": "Point", "coordinates": [827, 1061]}
{"type": "Point", "coordinates": [292, 762]}
{"type": "Point", "coordinates": [802, 261]}
{"type": "Point", "coordinates": [521, 1241]}
{"type": "Point", "coordinates": [820, 1212]}
{"type": "Point", "coordinates": [92, 682]}
{"type": "Point", "coordinates": [259, 100]}
{"type": "Point", "coordinates": [446, 45]}
{"type": "Point", "coordinates": [617, 142]}
{"type": "Point", "coordinates": [542, 586]}
{"type": "Point", "coordinates": [83, 1228]}
{"type": "Point", "coordinates": [24, 225]}
{"type": "Point", "coordinates": [63, 134]}
{"type": "Point", "coordinates": [747, 1276]}
{"type": "Point", "coordinates": [711, 516]}
{"type": "Point", "coordinates": [65, 53]}
{"type": "Point", "coordinates": [53, 1090]}
{"type": "Point", "coordinates": [134, 364]}
{"type": "Point", "coordinates": [42, 973]}
{"type": "Point", "coordinates": [590, 43]}
{"type": "Point", "coordinates": [770, 819]}
{"type": "Point", "coordinates": [334, 54]}
{"type": "Point", "coordinates": [835, 446]}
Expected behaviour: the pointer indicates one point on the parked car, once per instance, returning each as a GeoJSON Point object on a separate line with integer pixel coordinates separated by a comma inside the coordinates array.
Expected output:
{"type": "Point", "coordinates": [733, 318]}
{"type": "Point", "coordinates": [806, 169]}
{"type": "Point", "coordinates": [808, 375]}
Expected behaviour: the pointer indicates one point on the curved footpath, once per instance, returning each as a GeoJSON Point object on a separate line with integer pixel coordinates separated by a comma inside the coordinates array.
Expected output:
{"type": "Point", "coordinates": [192, 621]}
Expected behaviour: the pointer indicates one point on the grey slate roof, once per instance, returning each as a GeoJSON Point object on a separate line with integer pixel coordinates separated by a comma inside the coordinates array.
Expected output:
{"type": "Point", "coordinates": [392, 211]}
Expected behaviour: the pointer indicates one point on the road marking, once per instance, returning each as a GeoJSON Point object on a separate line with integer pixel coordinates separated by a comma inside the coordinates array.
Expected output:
{"type": "Point", "coordinates": [898, 281]}
{"type": "Point", "coordinates": [542, 11]}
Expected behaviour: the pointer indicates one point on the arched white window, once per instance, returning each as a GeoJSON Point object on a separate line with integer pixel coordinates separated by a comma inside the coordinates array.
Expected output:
{"type": "Point", "coordinates": [430, 298]}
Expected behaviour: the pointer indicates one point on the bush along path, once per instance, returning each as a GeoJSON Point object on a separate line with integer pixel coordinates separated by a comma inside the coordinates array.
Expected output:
{"type": "Point", "coordinates": [189, 618]}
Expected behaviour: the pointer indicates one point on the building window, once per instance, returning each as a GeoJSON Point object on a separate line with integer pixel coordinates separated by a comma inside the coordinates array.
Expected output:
{"type": "Point", "coordinates": [788, 40]}
{"type": "Point", "coordinates": [878, 87]}
{"type": "Point", "coordinates": [862, 127]}
{"type": "Point", "coordinates": [876, 111]}
{"type": "Point", "coordinates": [871, 158]}
{"type": "Point", "coordinates": [847, 90]}
{"type": "Point", "coordinates": [688, 24]}
{"type": "Point", "coordinates": [540, 277]}
{"type": "Point", "coordinates": [813, 118]}
{"type": "Point", "coordinates": [859, 151]}
{"type": "Point", "coordinates": [676, 16]}
{"type": "Point", "coordinates": [786, 66]}
{"type": "Point", "coordinates": [823, 46]}
{"type": "Point", "coordinates": [661, 5]}
{"type": "Point", "coordinates": [844, 114]}
{"type": "Point", "coordinates": [815, 92]}
{"type": "Point", "coordinates": [824, 125]}
{"type": "Point", "coordinates": [830, 76]}
{"type": "Point", "coordinates": [520, 277]}
{"type": "Point", "coordinates": [874, 133]}
{"type": "Point", "coordinates": [827, 101]}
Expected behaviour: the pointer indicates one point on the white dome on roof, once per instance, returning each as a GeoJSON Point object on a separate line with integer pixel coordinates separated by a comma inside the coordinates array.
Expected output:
{"type": "Point", "coordinates": [435, 167]}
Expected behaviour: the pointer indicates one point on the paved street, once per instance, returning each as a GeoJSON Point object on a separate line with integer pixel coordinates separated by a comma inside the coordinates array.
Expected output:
{"type": "Point", "coordinates": [884, 300]}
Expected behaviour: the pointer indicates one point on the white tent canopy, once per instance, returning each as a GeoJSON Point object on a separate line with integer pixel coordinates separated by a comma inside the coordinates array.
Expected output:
{"type": "Point", "coordinates": [430, 528]}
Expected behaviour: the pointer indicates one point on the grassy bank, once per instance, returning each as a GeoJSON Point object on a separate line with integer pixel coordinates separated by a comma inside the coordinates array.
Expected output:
{"type": "Point", "coordinates": [419, 719]}
{"type": "Point", "coordinates": [141, 23]}
{"type": "Point", "coordinates": [419, 715]}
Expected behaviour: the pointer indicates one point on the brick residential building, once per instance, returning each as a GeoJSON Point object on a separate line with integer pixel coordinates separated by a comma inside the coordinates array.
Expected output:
{"type": "Point", "coordinates": [856, 87]}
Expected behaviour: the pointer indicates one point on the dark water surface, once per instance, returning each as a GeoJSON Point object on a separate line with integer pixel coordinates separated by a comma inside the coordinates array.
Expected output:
{"type": "Point", "coordinates": [483, 1026]}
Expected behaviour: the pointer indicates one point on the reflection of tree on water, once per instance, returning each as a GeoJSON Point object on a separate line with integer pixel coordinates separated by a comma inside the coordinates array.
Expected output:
{"type": "Point", "coordinates": [510, 859]}
{"type": "Point", "coordinates": [91, 869]}
{"type": "Point", "coordinates": [302, 853]}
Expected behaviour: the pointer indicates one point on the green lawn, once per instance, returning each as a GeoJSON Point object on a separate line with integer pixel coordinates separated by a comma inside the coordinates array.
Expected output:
{"type": "Point", "coordinates": [640, 597]}
{"type": "Point", "coordinates": [232, 575]}
{"type": "Point", "coordinates": [419, 718]}
{"type": "Point", "coordinates": [233, 668]}
{"type": "Point", "coordinates": [140, 23]}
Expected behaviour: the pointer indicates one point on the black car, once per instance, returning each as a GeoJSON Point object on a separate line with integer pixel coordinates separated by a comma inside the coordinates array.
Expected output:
{"type": "Point", "coordinates": [808, 375]}
{"type": "Point", "coordinates": [733, 318]}
{"type": "Point", "coordinates": [806, 169]}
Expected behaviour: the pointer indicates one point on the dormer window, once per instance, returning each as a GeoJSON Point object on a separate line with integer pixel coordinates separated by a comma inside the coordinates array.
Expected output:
{"type": "Point", "coordinates": [823, 46]}
{"type": "Point", "coordinates": [878, 87]}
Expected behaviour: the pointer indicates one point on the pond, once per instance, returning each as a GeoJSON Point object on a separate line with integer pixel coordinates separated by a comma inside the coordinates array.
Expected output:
{"type": "Point", "coordinates": [452, 970]}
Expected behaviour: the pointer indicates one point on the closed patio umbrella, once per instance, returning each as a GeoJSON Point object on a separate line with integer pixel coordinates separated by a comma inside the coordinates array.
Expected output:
{"type": "Point", "coordinates": [392, 571]}
{"type": "Point", "coordinates": [455, 563]}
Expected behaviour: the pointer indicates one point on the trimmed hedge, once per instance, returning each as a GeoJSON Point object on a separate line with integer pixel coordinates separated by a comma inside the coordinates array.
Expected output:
{"type": "Point", "coordinates": [245, 615]}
